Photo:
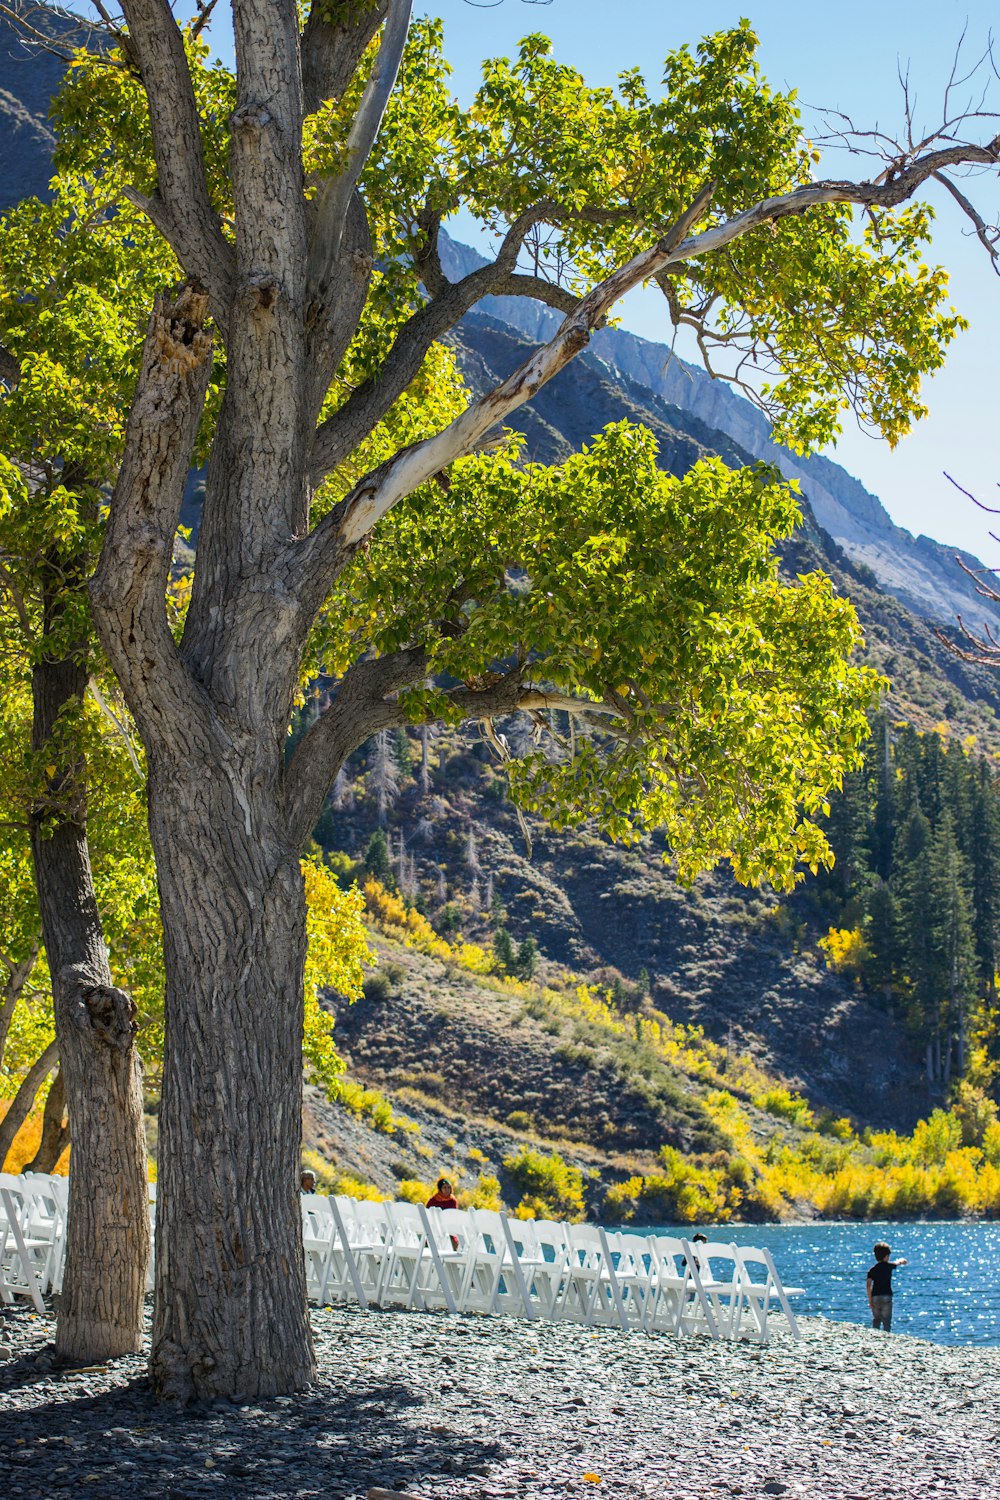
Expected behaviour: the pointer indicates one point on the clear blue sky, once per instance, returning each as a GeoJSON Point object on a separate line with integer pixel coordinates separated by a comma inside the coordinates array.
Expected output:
{"type": "Point", "coordinates": [844, 56]}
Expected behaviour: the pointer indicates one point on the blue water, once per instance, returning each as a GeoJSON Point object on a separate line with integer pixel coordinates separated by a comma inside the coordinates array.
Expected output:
{"type": "Point", "coordinates": [948, 1293]}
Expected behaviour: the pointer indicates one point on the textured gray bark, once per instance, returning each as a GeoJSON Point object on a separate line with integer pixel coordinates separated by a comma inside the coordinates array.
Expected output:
{"type": "Point", "coordinates": [231, 1308]}
{"type": "Point", "coordinates": [107, 1243]}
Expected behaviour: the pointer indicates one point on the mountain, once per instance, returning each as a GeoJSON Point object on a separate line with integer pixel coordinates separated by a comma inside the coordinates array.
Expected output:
{"type": "Point", "coordinates": [920, 572]}
{"type": "Point", "coordinates": [31, 70]}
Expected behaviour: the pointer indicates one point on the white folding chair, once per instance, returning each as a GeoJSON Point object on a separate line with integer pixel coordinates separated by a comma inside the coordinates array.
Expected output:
{"type": "Point", "coordinates": [679, 1303]}
{"type": "Point", "coordinates": [634, 1267]}
{"type": "Point", "coordinates": [370, 1237]}
{"type": "Point", "coordinates": [44, 1221]}
{"type": "Point", "coordinates": [456, 1238]}
{"type": "Point", "coordinates": [318, 1232]}
{"type": "Point", "coordinates": [755, 1295]}
{"type": "Point", "coordinates": [22, 1258]}
{"type": "Point", "coordinates": [543, 1254]}
{"type": "Point", "coordinates": [719, 1272]}
{"type": "Point", "coordinates": [407, 1243]}
{"type": "Point", "coordinates": [498, 1283]}
{"type": "Point", "coordinates": [590, 1290]}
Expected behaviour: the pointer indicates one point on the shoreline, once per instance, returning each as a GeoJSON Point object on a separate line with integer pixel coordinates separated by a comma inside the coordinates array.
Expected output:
{"type": "Point", "coordinates": [476, 1408]}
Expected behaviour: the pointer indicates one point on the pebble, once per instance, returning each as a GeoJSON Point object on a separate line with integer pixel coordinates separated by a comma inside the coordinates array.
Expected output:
{"type": "Point", "coordinates": [528, 1412]}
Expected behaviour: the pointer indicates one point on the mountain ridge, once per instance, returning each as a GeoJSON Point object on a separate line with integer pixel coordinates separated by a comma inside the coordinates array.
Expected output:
{"type": "Point", "coordinates": [919, 571]}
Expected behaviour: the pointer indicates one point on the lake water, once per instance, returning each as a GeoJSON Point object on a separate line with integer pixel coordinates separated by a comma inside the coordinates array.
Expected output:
{"type": "Point", "coordinates": [948, 1293]}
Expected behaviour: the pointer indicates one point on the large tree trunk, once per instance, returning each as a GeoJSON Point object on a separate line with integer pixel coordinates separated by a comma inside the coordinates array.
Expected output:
{"type": "Point", "coordinates": [107, 1244]}
{"type": "Point", "coordinates": [230, 1302]}
{"type": "Point", "coordinates": [55, 1129]}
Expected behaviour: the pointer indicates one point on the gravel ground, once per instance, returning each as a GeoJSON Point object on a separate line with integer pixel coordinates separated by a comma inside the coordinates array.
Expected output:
{"type": "Point", "coordinates": [489, 1409]}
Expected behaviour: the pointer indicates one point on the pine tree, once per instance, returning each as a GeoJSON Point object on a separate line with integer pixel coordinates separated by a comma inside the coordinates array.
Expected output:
{"type": "Point", "coordinates": [951, 922]}
{"type": "Point", "coordinates": [527, 958]}
{"type": "Point", "coordinates": [503, 949]}
{"type": "Point", "coordinates": [377, 860]}
{"type": "Point", "coordinates": [984, 862]}
{"type": "Point", "coordinates": [912, 892]}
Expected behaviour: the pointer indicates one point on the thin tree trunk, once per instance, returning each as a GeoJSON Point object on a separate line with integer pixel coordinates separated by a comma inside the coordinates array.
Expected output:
{"type": "Point", "coordinates": [425, 761]}
{"type": "Point", "coordinates": [231, 1313]}
{"type": "Point", "coordinates": [23, 1101]}
{"type": "Point", "coordinates": [107, 1238]}
{"type": "Point", "coordinates": [55, 1129]}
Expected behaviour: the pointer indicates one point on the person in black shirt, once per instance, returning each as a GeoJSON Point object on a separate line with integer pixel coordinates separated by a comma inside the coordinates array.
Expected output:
{"type": "Point", "coordinates": [879, 1287]}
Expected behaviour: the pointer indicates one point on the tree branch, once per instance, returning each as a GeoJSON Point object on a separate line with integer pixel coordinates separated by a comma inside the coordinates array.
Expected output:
{"type": "Point", "coordinates": [364, 705]}
{"type": "Point", "coordinates": [335, 195]}
{"type": "Point", "coordinates": [21, 1105]}
{"type": "Point", "coordinates": [335, 539]}
{"type": "Point", "coordinates": [361, 708]}
{"type": "Point", "coordinates": [181, 208]}
{"type": "Point", "coordinates": [332, 48]}
{"type": "Point", "coordinates": [128, 590]}
{"type": "Point", "coordinates": [18, 975]}
{"type": "Point", "coordinates": [988, 235]}
{"type": "Point", "coordinates": [343, 432]}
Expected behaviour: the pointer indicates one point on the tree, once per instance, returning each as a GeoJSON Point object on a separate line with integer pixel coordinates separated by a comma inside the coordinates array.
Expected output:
{"type": "Point", "coordinates": [76, 278]}
{"type": "Point", "coordinates": [383, 778]}
{"type": "Point", "coordinates": [504, 951]}
{"type": "Point", "coordinates": [377, 861]}
{"type": "Point", "coordinates": [951, 919]}
{"type": "Point", "coordinates": [351, 517]}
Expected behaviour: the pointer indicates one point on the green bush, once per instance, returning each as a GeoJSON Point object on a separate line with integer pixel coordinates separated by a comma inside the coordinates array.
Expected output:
{"type": "Point", "coordinates": [786, 1105]}
{"type": "Point", "coordinates": [550, 1187]}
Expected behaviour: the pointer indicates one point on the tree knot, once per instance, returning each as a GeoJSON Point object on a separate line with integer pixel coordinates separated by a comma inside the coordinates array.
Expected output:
{"type": "Point", "coordinates": [251, 117]}
{"type": "Point", "coordinates": [106, 1011]}
{"type": "Point", "coordinates": [261, 291]}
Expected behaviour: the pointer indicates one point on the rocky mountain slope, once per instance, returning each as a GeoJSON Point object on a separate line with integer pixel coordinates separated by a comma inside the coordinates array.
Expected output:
{"type": "Point", "coordinates": [920, 572]}
{"type": "Point", "coordinates": [31, 69]}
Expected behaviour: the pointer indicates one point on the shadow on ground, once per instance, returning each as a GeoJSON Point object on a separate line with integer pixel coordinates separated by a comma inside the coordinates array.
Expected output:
{"type": "Point", "coordinates": [123, 1445]}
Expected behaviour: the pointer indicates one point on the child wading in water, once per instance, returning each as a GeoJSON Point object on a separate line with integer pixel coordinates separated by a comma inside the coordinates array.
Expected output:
{"type": "Point", "coordinates": [879, 1287]}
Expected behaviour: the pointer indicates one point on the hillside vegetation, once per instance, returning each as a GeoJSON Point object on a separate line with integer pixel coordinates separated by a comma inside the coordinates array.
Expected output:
{"type": "Point", "coordinates": [565, 1099]}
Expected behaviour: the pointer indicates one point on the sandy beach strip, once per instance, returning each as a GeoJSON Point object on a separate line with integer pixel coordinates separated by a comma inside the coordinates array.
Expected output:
{"type": "Point", "coordinates": [490, 1408]}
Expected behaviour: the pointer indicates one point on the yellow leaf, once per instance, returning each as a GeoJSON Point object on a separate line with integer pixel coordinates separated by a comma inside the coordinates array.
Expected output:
{"type": "Point", "coordinates": [592, 1478]}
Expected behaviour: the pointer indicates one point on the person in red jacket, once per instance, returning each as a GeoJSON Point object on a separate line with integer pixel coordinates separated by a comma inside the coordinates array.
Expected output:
{"type": "Point", "coordinates": [444, 1197]}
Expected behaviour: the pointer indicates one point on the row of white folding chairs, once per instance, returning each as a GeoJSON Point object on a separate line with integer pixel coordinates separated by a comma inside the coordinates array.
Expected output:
{"type": "Point", "coordinates": [33, 1209]}
{"type": "Point", "coordinates": [480, 1261]}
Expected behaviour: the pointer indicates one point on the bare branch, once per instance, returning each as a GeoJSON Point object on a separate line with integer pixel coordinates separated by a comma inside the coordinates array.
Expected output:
{"type": "Point", "coordinates": [988, 235]}
{"type": "Point", "coordinates": [992, 510]}
{"type": "Point", "coordinates": [336, 193]}
{"type": "Point", "coordinates": [42, 41]}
